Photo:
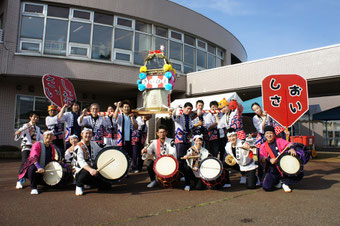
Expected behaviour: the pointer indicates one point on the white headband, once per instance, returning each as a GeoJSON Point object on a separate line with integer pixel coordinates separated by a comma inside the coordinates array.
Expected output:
{"type": "Point", "coordinates": [73, 136]}
{"type": "Point", "coordinates": [230, 134]}
{"type": "Point", "coordinates": [48, 132]}
{"type": "Point", "coordinates": [198, 136]}
{"type": "Point", "coordinates": [86, 129]}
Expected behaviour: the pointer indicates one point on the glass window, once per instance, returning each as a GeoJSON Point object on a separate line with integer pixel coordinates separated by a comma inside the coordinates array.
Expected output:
{"type": "Point", "coordinates": [189, 40]}
{"type": "Point", "coordinates": [219, 62]}
{"type": "Point", "coordinates": [123, 56]}
{"type": "Point", "coordinates": [211, 61]}
{"type": "Point", "coordinates": [189, 55]}
{"type": "Point", "coordinates": [81, 14]}
{"type": "Point", "coordinates": [161, 31]}
{"type": "Point", "coordinates": [211, 49]}
{"type": "Point", "coordinates": [101, 42]}
{"type": "Point", "coordinates": [201, 59]}
{"type": "Point", "coordinates": [80, 32]}
{"type": "Point", "coordinates": [201, 44]}
{"type": "Point", "coordinates": [123, 39]}
{"type": "Point", "coordinates": [56, 37]}
{"type": "Point", "coordinates": [124, 22]}
{"type": "Point", "coordinates": [188, 69]}
{"type": "Point", "coordinates": [32, 8]}
{"type": "Point", "coordinates": [30, 46]}
{"type": "Point", "coordinates": [176, 35]}
{"type": "Point", "coordinates": [176, 50]}
{"type": "Point", "coordinates": [177, 67]}
{"type": "Point", "coordinates": [57, 11]}
{"type": "Point", "coordinates": [142, 47]}
{"type": "Point", "coordinates": [26, 104]}
{"type": "Point", "coordinates": [32, 27]}
{"type": "Point", "coordinates": [78, 51]}
{"type": "Point", "coordinates": [103, 18]}
{"type": "Point", "coordinates": [161, 42]}
{"type": "Point", "coordinates": [220, 52]}
{"type": "Point", "coordinates": [144, 27]}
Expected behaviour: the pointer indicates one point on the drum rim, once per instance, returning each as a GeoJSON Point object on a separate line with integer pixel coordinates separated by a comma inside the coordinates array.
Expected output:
{"type": "Point", "coordinates": [219, 174]}
{"type": "Point", "coordinates": [59, 178]}
{"type": "Point", "coordinates": [165, 176]}
{"type": "Point", "coordinates": [118, 148]}
{"type": "Point", "coordinates": [282, 170]}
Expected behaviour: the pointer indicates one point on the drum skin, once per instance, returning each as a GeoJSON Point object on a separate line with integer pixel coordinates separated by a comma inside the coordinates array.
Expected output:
{"type": "Point", "coordinates": [212, 173]}
{"type": "Point", "coordinates": [289, 165]}
{"type": "Point", "coordinates": [56, 173]}
{"type": "Point", "coordinates": [115, 170]}
{"type": "Point", "coordinates": [166, 170]}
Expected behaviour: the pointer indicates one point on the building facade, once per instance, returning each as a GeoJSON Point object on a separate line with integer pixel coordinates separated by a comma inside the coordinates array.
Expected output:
{"type": "Point", "coordinates": [99, 45]}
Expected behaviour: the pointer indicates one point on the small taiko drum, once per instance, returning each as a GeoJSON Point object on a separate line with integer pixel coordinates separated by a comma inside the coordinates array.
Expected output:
{"type": "Point", "coordinates": [212, 173]}
{"type": "Point", "coordinates": [166, 170]}
{"type": "Point", "coordinates": [112, 164]}
{"type": "Point", "coordinates": [289, 165]}
{"type": "Point", "coordinates": [57, 174]}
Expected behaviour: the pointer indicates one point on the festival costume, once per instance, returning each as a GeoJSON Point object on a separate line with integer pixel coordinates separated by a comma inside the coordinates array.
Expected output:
{"type": "Point", "coordinates": [72, 126]}
{"type": "Point", "coordinates": [84, 155]}
{"type": "Point", "coordinates": [138, 141]}
{"type": "Point", "coordinates": [245, 162]}
{"type": "Point", "coordinates": [29, 137]}
{"type": "Point", "coordinates": [233, 120]}
{"type": "Point", "coordinates": [56, 125]}
{"type": "Point", "coordinates": [158, 149]}
{"type": "Point", "coordinates": [191, 168]}
{"type": "Point", "coordinates": [110, 137]}
{"type": "Point", "coordinates": [97, 124]}
{"type": "Point", "coordinates": [273, 174]}
{"type": "Point", "coordinates": [217, 136]}
{"type": "Point", "coordinates": [39, 156]}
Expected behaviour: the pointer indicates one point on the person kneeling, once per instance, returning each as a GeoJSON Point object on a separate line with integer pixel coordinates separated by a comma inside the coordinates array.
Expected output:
{"type": "Point", "coordinates": [161, 146]}
{"type": "Point", "coordinates": [269, 151]}
{"type": "Point", "coordinates": [194, 156]}
{"type": "Point", "coordinates": [41, 153]}
{"type": "Point", "coordinates": [84, 156]}
{"type": "Point", "coordinates": [238, 152]}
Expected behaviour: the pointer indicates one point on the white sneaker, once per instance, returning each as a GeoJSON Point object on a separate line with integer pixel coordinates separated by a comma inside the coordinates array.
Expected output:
{"type": "Point", "coordinates": [136, 171]}
{"type": "Point", "coordinates": [243, 180]}
{"type": "Point", "coordinates": [87, 186]}
{"type": "Point", "coordinates": [258, 183]}
{"type": "Point", "coordinates": [187, 188]}
{"type": "Point", "coordinates": [278, 185]}
{"type": "Point", "coordinates": [151, 184]}
{"type": "Point", "coordinates": [19, 185]}
{"type": "Point", "coordinates": [182, 179]}
{"type": "Point", "coordinates": [79, 191]}
{"type": "Point", "coordinates": [34, 192]}
{"type": "Point", "coordinates": [286, 188]}
{"type": "Point", "coordinates": [227, 186]}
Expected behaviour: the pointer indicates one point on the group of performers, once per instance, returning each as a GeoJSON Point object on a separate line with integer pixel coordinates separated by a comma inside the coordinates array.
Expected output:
{"type": "Point", "coordinates": [199, 136]}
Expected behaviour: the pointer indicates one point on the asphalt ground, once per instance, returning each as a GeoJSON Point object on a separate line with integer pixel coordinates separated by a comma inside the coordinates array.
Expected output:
{"type": "Point", "coordinates": [314, 201]}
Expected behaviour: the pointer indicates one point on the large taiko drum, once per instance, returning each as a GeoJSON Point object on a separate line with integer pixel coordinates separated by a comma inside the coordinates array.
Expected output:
{"type": "Point", "coordinates": [112, 163]}
{"type": "Point", "coordinates": [166, 170]}
{"type": "Point", "coordinates": [57, 174]}
{"type": "Point", "coordinates": [289, 165]}
{"type": "Point", "coordinates": [212, 173]}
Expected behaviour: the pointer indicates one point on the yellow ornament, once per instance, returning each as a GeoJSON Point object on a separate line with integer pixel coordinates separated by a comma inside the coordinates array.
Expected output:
{"type": "Point", "coordinates": [167, 67]}
{"type": "Point", "coordinates": [142, 69]}
{"type": "Point", "coordinates": [222, 103]}
{"type": "Point", "coordinates": [174, 71]}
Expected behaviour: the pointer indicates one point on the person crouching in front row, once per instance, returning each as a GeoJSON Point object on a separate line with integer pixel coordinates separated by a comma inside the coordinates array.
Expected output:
{"type": "Point", "coordinates": [268, 154]}
{"type": "Point", "coordinates": [191, 168]}
{"type": "Point", "coordinates": [239, 152]}
{"type": "Point", "coordinates": [84, 156]}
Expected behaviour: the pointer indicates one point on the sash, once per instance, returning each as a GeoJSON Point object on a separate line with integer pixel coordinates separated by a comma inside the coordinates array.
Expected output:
{"type": "Point", "coordinates": [42, 154]}
{"type": "Point", "coordinates": [272, 156]}
{"type": "Point", "coordinates": [159, 147]}
{"type": "Point", "coordinates": [85, 151]}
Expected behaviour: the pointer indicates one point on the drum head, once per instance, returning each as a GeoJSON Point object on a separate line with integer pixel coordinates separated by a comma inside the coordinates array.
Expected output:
{"type": "Point", "coordinates": [117, 168]}
{"type": "Point", "coordinates": [210, 169]}
{"type": "Point", "coordinates": [53, 174]}
{"type": "Point", "coordinates": [166, 166]}
{"type": "Point", "coordinates": [289, 164]}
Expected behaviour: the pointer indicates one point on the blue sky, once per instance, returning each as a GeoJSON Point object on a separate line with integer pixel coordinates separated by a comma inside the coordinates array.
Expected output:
{"type": "Point", "coordinates": [269, 28]}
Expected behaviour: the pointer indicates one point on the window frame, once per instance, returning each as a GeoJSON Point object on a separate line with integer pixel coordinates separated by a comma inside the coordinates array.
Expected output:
{"type": "Point", "coordinates": [124, 27]}
{"type": "Point", "coordinates": [72, 18]}
{"type": "Point", "coordinates": [77, 45]}
{"type": "Point", "coordinates": [122, 51]}
{"type": "Point", "coordinates": [35, 41]}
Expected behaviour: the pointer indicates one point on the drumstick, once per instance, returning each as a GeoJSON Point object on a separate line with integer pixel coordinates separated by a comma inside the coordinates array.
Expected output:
{"type": "Point", "coordinates": [51, 170]}
{"type": "Point", "coordinates": [106, 164]}
{"type": "Point", "coordinates": [192, 157]}
{"type": "Point", "coordinates": [288, 146]}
